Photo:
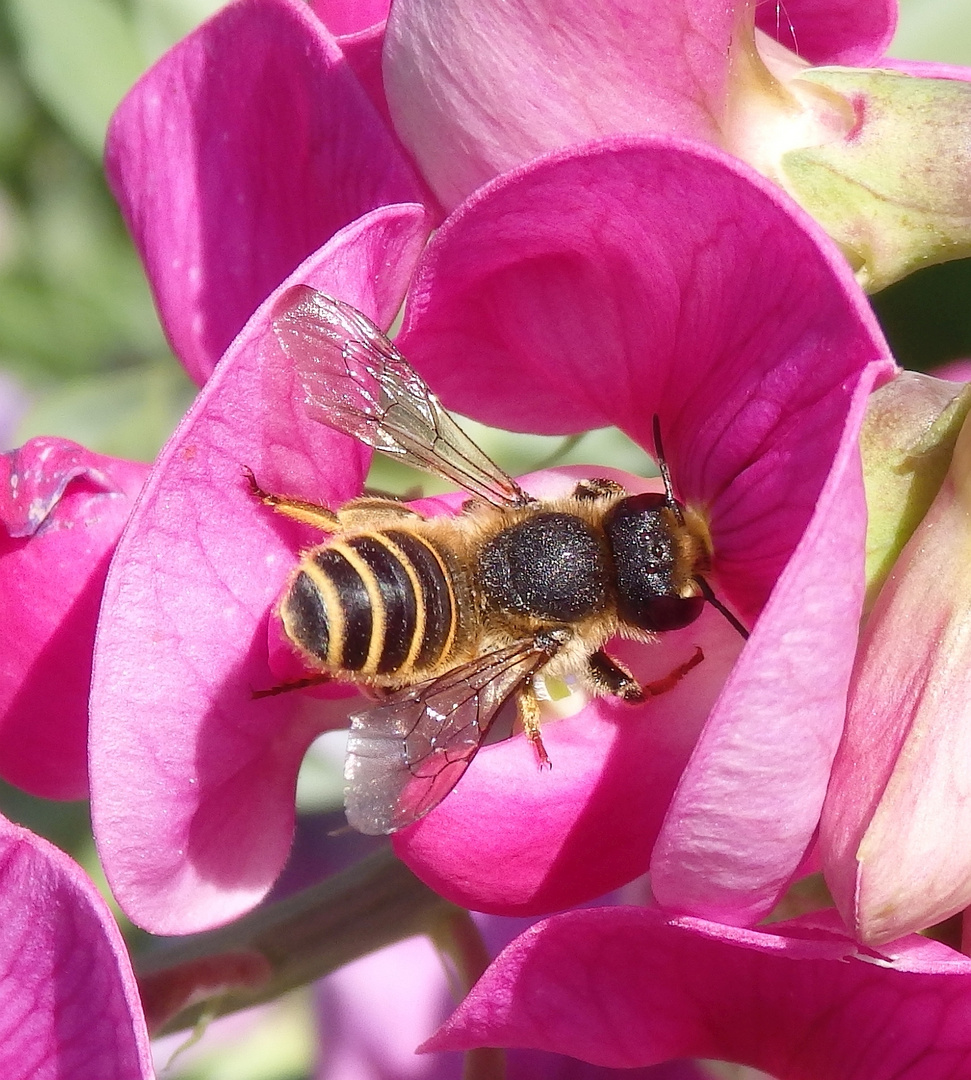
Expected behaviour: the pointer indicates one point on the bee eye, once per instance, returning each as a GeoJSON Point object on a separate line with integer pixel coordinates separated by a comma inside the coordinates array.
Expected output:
{"type": "Point", "coordinates": [652, 563]}
{"type": "Point", "coordinates": [669, 612]}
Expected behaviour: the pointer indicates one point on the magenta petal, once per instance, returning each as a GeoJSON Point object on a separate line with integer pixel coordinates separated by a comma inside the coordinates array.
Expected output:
{"type": "Point", "coordinates": [192, 780]}
{"type": "Point", "coordinates": [637, 277]}
{"type": "Point", "coordinates": [516, 840]}
{"type": "Point", "coordinates": [350, 16]}
{"type": "Point", "coordinates": [62, 509]}
{"type": "Point", "coordinates": [69, 1005]}
{"type": "Point", "coordinates": [625, 987]}
{"type": "Point", "coordinates": [581, 69]}
{"type": "Point", "coordinates": [634, 278]}
{"type": "Point", "coordinates": [749, 801]}
{"type": "Point", "coordinates": [851, 32]}
{"type": "Point", "coordinates": [242, 151]}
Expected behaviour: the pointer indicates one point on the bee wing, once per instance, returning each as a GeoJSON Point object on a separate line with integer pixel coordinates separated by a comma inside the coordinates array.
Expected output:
{"type": "Point", "coordinates": [406, 754]}
{"type": "Point", "coordinates": [356, 381]}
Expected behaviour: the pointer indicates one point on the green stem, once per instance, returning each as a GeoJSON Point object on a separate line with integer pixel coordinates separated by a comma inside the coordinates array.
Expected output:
{"type": "Point", "coordinates": [288, 944]}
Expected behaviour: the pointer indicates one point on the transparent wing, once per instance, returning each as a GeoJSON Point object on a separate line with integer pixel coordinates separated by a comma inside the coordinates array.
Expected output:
{"type": "Point", "coordinates": [356, 381]}
{"type": "Point", "coordinates": [406, 754]}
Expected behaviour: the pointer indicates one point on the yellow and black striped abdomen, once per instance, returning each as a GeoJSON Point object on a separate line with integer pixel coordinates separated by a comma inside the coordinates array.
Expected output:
{"type": "Point", "coordinates": [377, 604]}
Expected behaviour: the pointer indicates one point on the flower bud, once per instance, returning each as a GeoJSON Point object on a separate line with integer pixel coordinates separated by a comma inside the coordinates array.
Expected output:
{"type": "Point", "coordinates": [907, 440]}
{"type": "Point", "coordinates": [894, 191]}
{"type": "Point", "coordinates": [896, 828]}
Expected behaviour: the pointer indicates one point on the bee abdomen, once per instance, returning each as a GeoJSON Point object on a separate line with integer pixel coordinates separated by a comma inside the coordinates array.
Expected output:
{"type": "Point", "coordinates": [378, 603]}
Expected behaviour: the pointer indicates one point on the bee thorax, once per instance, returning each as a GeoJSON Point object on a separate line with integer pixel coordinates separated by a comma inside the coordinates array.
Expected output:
{"type": "Point", "coordinates": [550, 566]}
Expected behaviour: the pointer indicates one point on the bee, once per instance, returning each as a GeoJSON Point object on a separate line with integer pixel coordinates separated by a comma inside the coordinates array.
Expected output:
{"type": "Point", "coordinates": [444, 620]}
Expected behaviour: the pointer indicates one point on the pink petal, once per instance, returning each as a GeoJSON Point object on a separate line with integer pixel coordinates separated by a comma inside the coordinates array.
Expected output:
{"type": "Point", "coordinates": [356, 1048]}
{"type": "Point", "coordinates": [69, 1006]}
{"type": "Point", "coordinates": [896, 829]}
{"type": "Point", "coordinates": [359, 30]}
{"type": "Point", "coordinates": [517, 840]}
{"type": "Point", "coordinates": [638, 277]}
{"type": "Point", "coordinates": [748, 804]}
{"type": "Point", "coordinates": [927, 69]}
{"type": "Point", "coordinates": [63, 509]}
{"type": "Point", "coordinates": [233, 161]}
{"type": "Point", "coordinates": [345, 17]}
{"type": "Point", "coordinates": [635, 278]}
{"type": "Point", "coordinates": [581, 70]}
{"type": "Point", "coordinates": [848, 32]}
{"type": "Point", "coordinates": [954, 371]}
{"type": "Point", "coordinates": [192, 779]}
{"type": "Point", "coordinates": [627, 986]}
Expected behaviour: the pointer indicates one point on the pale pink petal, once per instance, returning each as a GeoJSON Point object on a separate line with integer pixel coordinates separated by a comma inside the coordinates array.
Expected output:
{"type": "Point", "coordinates": [354, 1047]}
{"type": "Point", "coordinates": [240, 153]}
{"type": "Point", "coordinates": [896, 829]}
{"type": "Point", "coordinates": [192, 779]}
{"type": "Point", "coordinates": [850, 32]}
{"type": "Point", "coordinates": [628, 987]}
{"type": "Point", "coordinates": [62, 509]}
{"type": "Point", "coordinates": [476, 88]}
{"type": "Point", "coordinates": [68, 1000]}
{"type": "Point", "coordinates": [13, 405]}
{"type": "Point", "coordinates": [637, 278]}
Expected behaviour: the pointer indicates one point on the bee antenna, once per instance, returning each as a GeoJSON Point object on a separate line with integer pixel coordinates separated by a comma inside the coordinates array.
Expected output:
{"type": "Point", "coordinates": [665, 471]}
{"type": "Point", "coordinates": [707, 593]}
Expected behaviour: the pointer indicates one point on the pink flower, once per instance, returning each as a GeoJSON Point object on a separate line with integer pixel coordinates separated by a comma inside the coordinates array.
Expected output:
{"type": "Point", "coordinates": [598, 287]}
{"type": "Point", "coordinates": [240, 153]}
{"type": "Point", "coordinates": [185, 765]}
{"type": "Point", "coordinates": [628, 987]}
{"type": "Point", "coordinates": [69, 1005]}
{"type": "Point", "coordinates": [62, 509]}
{"type": "Point", "coordinates": [896, 828]}
{"type": "Point", "coordinates": [357, 1048]}
{"type": "Point", "coordinates": [878, 158]}
{"type": "Point", "coordinates": [531, 276]}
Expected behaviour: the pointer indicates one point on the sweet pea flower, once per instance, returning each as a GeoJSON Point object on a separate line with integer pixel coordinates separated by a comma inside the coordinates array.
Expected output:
{"type": "Point", "coordinates": [69, 1005]}
{"type": "Point", "coordinates": [185, 765]}
{"type": "Point", "coordinates": [354, 1047]}
{"type": "Point", "coordinates": [601, 286]}
{"type": "Point", "coordinates": [595, 335]}
{"type": "Point", "coordinates": [241, 152]}
{"type": "Point", "coordinates": [628, 987]}
{"type": "Point", "coordinates": [896, 827]}
{"type": "Point", "coordinates": [879, 157]}
{"type": "Point", "coordinates": [62, 509]}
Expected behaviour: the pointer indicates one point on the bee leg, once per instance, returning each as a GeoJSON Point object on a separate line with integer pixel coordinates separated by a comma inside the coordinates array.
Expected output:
{"type": "Point", "coordinates": [529, 718]}
{"type": "Point", "coordinates": [609, 676]}
{"type": "Point", "coordinates": [306, 512]}
{"type": "Point", "coordinates": [372, 513]}
{"type": "Point", "coordinates": [597, 488]}
{"type": "Point", "coordinates": [671, 680]}
{"type": "Point", "coordinates": [297, 684]}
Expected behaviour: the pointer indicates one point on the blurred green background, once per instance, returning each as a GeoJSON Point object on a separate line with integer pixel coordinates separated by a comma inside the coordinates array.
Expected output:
{"type": "Point", "coordinates": [81, 352]}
